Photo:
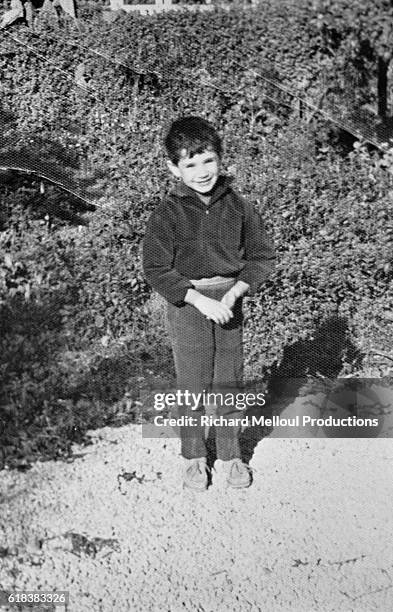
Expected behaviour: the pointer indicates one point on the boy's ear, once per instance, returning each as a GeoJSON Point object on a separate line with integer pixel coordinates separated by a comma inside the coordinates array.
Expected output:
{"type": "Point", "coordinates": [173, 169]}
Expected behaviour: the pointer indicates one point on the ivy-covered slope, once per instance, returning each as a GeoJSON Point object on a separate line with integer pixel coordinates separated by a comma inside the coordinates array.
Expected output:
{"type": "Point", "coordinates": [79, 334]}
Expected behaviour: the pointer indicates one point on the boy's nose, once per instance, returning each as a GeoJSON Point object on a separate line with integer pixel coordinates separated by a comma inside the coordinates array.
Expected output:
{"type": "Point", "coordinates": [202, 173]}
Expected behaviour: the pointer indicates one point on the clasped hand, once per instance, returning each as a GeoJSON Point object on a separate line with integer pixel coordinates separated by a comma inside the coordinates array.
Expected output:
{"type": "Point", "coordinates": [218, 311]}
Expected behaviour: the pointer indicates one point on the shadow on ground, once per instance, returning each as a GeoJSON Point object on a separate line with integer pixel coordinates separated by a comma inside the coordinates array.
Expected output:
{"type": "Point", "coordinates": [321, 356]}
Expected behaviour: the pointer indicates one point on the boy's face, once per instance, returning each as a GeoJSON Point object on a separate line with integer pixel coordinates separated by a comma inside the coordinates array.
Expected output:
{"type": "Point", "coordinates": [200, 172]}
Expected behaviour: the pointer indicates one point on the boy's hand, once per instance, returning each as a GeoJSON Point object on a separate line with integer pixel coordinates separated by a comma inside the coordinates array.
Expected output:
{"type": "Point", "coordinates": [230, 297]}
{"type": "Point", "coordinates": [212, 309]}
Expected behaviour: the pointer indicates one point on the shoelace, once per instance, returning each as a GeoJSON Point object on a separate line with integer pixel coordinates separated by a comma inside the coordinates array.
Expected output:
{"type": "Point", "coordinates": [199, 467]}
{"type": "Point", "coordinates": [240, 464]}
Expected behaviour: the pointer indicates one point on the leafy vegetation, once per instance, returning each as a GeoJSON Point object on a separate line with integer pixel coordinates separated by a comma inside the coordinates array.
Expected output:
{"type": "Point", "coordinates": [82, 339]}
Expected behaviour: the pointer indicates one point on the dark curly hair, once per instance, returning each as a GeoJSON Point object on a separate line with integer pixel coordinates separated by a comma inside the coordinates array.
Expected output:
{"type": "Point", "coordinates": [192, 134]}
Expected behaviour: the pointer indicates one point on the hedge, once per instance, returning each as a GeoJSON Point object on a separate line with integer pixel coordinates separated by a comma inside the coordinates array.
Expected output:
{"type": "Point", "coordinates": [82, 338]}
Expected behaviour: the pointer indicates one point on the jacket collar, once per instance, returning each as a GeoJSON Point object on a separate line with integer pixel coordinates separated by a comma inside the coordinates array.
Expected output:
{"type": "Point", "coordinates": [181, 190]}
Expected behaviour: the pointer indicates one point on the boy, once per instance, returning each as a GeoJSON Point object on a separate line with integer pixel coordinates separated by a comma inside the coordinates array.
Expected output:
{"type": "Point", "coordinates": [204, 248]}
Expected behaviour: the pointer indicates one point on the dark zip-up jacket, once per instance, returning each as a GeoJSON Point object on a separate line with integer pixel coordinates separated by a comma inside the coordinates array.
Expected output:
{"type": "Point", "coordinates": [187, 239]}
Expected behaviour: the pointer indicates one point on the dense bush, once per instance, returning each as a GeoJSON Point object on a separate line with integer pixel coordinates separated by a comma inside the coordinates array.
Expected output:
{"type": "Point", "coordinates": [80, 335]}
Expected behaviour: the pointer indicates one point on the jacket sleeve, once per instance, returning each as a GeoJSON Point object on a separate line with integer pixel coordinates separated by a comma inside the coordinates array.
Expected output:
{"type": "Point", "coordinates": [259, 250]}
{"type": "Point", "coordinates": [158, 258]}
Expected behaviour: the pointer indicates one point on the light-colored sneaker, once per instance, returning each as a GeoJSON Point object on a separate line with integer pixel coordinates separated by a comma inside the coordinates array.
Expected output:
{"type": "Point", "coordinates": [196, 475]}
{"type": "Point", "coordinates": [239, 474]}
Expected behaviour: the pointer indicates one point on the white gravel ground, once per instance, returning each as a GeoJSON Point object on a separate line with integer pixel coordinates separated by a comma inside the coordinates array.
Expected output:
{"type": "Point", "coordinates": [313, 532]}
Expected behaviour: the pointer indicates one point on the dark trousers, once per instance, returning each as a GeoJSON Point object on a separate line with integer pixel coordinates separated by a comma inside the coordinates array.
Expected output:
{"type": "Point", "coordinates": [208, 358]}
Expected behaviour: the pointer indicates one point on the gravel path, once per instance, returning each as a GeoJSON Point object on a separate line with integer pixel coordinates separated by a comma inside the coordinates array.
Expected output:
{"type": "Point", "coordinates": [115, 528]}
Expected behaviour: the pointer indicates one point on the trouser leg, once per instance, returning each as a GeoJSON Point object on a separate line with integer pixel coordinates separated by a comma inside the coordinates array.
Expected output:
{"type": "Point", "coordinates": [228, 380]}
{"type": "Point", "coordinates": [193, 351]}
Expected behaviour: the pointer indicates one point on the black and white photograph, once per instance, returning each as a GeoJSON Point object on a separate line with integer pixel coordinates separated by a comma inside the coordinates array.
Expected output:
{"type": "Point", "coordinates": [196, 305]}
